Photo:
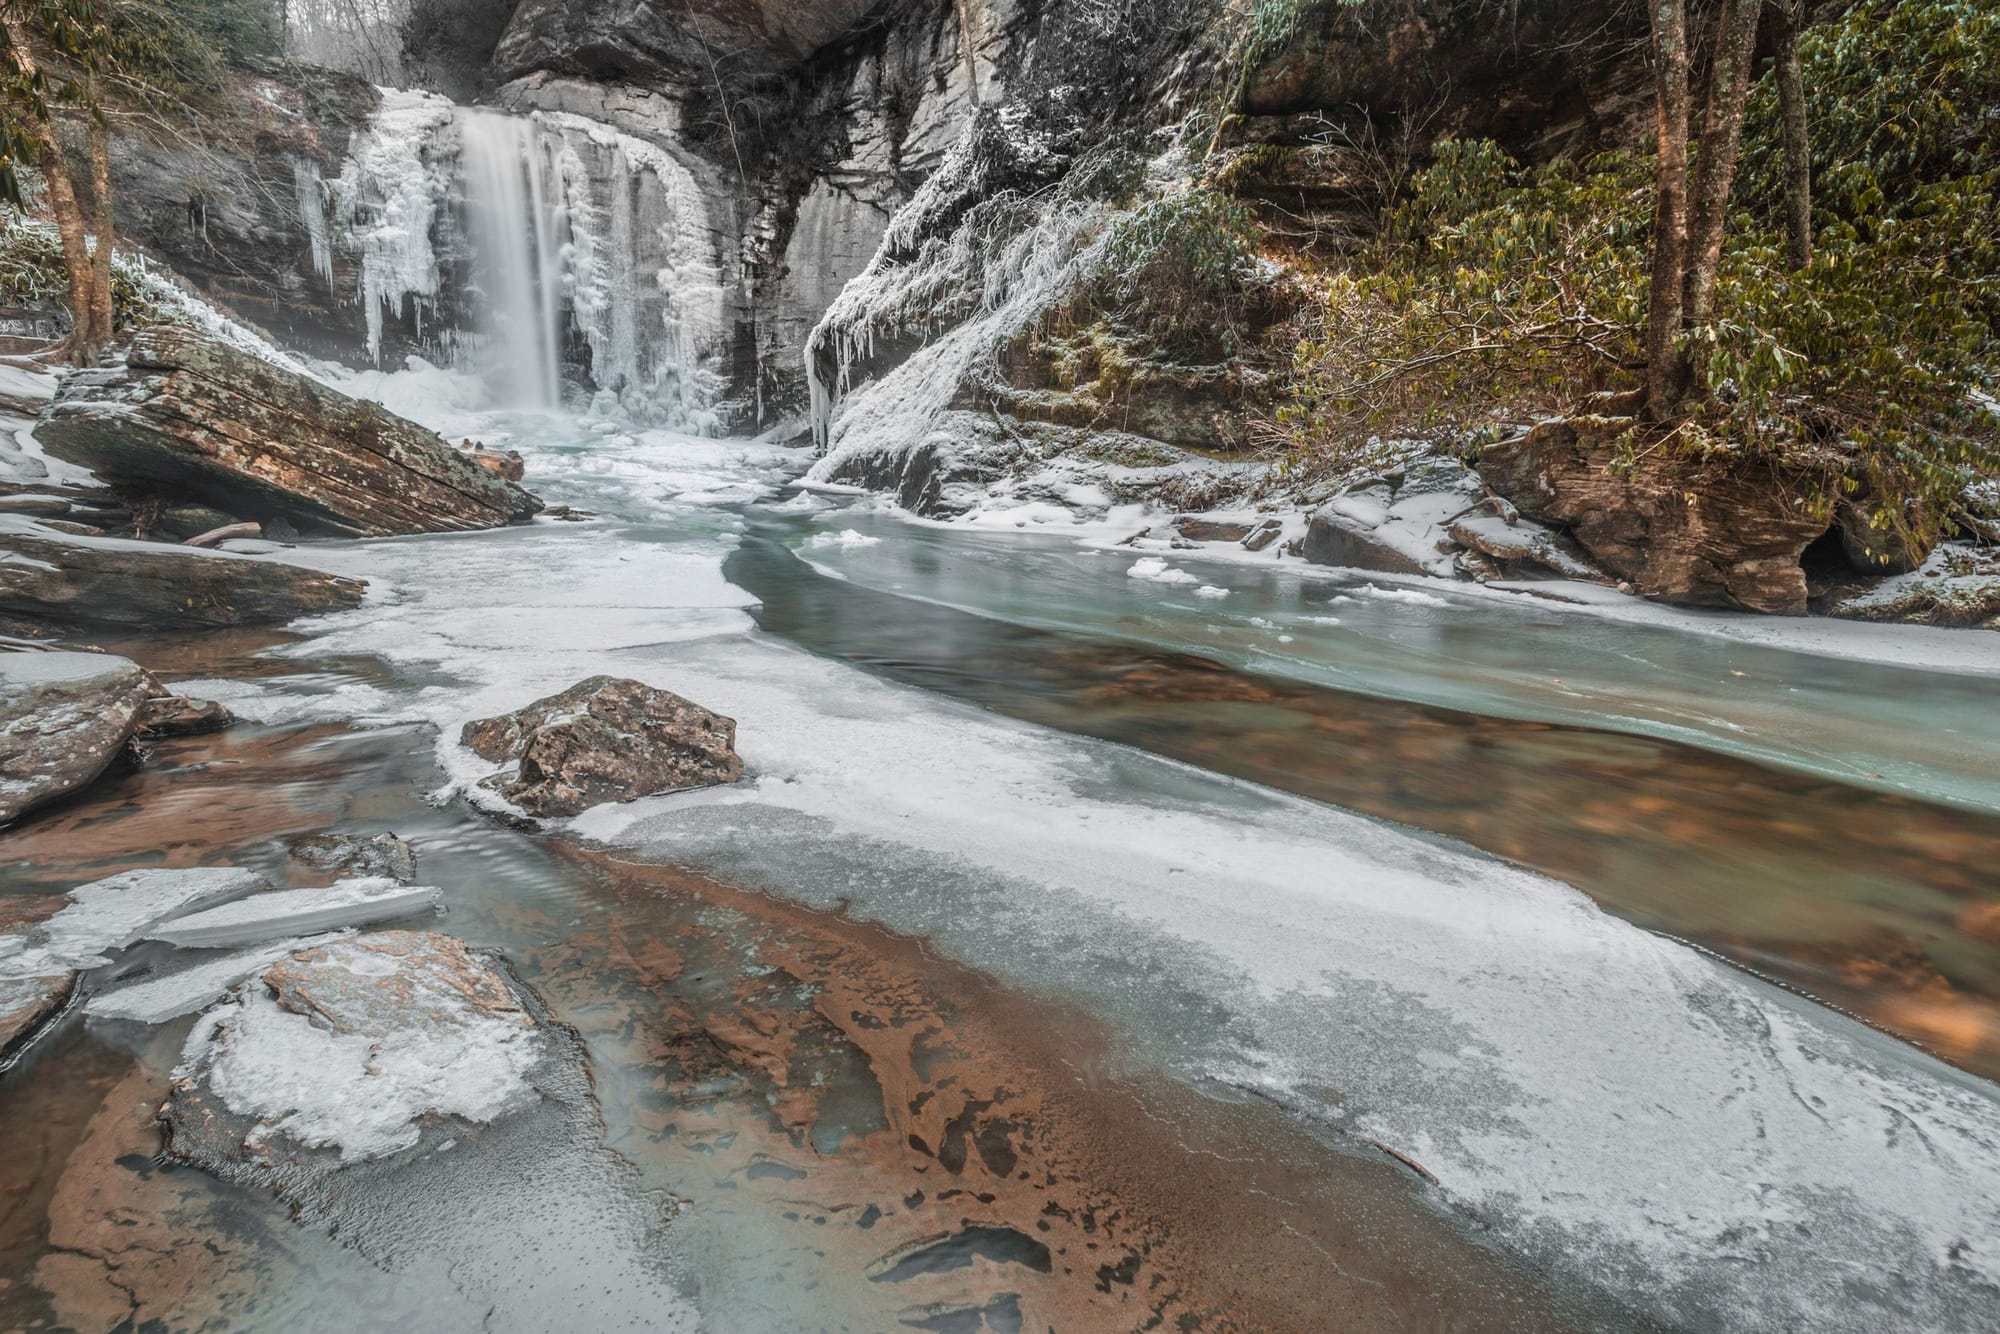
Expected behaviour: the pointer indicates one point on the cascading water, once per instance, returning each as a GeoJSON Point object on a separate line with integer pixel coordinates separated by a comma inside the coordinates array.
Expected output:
{"type": "Point", "coordinates": [577, 244]}
{"type": "Point", "coordinates": [518, 235]}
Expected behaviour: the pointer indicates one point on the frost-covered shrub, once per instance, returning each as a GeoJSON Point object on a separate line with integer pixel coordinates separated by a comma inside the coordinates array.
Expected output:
{"type": "Point", "coordinates": [32, 275]}
{"type": "Point", "coordinates": [1183, 272]}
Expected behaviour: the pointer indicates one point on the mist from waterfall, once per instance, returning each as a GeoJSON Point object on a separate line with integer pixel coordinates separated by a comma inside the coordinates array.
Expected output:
{"type": "Point", "coordinates": [517, 220]}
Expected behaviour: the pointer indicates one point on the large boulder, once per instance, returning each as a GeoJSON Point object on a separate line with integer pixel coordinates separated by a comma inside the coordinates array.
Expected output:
{"type": "Point", "coordinates": [63, 718]}
{"type": "Point", "coordinates": [189, 418]}
{"type": "Point", "coordinates": [604, 740]}
{"type": "Point", "coordinates": [1722, 530]}
{"type": "Point", "coordinates": [114, 581]}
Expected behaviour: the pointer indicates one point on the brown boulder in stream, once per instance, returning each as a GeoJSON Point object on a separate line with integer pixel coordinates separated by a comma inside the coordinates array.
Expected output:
{"type": "Point", "coordinates": [190, 418]}
{"type": "Point", "coordinates": [604, 740]}
{"type": "Point", "coordinates": [1725, 530]}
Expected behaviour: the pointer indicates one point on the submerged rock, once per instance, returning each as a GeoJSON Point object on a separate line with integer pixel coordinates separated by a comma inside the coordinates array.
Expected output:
{"type": "Point", "coordinates": [1712, 532]}
{"type": "Point", "coordinates": [604, 740]}
{"type": "Point", "coordinates": [382, 855]}
{"type": "Point", "coordinates": [63, 718]}
{"type": "Point", "coordinates": [193, 419]}
{"type": "Point", "coordinates": [114, 581]}
{"type": "Point", "coordinates": [352, 1051]}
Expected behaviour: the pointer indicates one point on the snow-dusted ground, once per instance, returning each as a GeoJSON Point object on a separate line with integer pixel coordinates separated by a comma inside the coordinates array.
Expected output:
{"type": "Point", "coordinates": [1632, 1113]}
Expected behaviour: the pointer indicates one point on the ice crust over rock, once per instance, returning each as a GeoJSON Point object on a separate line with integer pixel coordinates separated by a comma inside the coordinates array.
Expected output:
{"type": "Point", "coordinates": [354, 1047]}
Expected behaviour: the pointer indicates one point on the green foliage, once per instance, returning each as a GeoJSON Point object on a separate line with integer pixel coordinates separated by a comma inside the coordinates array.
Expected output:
{"type": "Point", "coordinates": [1183, 271]}
{"type": "Point", "coordinates": [1499, 287]}
{"type": "Point", "coordinates": [1901, 94]}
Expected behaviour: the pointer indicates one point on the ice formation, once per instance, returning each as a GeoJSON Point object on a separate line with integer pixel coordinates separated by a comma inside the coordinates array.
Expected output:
{"type": "Point", "coordinates": [387, 200]}
{"type": "Point", "coordinates": [971, 287]}
{"type": "Point", "coordinates": [360, 902]}
{"type": "Point", "coordinates": [114, 912]}
{"type": "Point", "coordinates": [366, 1079]}
{"type": "Point", "coordinates": [311, 190]}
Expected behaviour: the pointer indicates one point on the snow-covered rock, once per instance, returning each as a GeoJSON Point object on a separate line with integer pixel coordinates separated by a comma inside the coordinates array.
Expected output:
{"type": "Point", "coordinates": [351, 1051]}
{"type": "Point", "coordinates": [63, 718]}
{"type": "Point", "coordinates": [604, 740]}
{"type": "Point", "coordinates": [1958, 586]}
{"type": "Point", "coordinates": [292, 912]}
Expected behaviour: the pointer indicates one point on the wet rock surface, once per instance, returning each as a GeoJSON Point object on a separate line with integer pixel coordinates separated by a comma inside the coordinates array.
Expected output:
{"type": "Point", "coordinates": [176, 715]}
{"type": "Point", "coordinates": [64, 717]}
{"type": "Point", "coordinates": [26, 1003]}
{"type": "Point", "coordinates": [194, 420]}
{"type": "Point", "coordinates": [604, 740]}
{"type": "Point", "coordinates": [1709, 533]}
{"type": "Point", "coordinates": [153, 586]}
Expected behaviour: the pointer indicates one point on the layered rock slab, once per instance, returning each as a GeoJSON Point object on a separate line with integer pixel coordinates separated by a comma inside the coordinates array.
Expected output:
{"type": "Point", "coordinates": [193, 419]}
{"type": "Point", "coordinates": [1719, 531]}
{"type": "Point", "coordinates": [604, 740]}
{"type": "Point", "coordinates": [64, 717]}
{"type": "Point", "coordinates": [114, 581]}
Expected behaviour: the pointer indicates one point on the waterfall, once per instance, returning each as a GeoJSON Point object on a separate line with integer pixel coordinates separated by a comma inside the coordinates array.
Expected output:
{"type": "Point", "coordinates": [515, 215]}
{"type": "Point", "coordinates": [588, 260]}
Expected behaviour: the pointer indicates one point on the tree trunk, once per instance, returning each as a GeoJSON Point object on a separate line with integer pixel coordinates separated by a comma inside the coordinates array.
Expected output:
{"type": "Point", "coordinates": [106, 227]}
{"type": "Point", "coordinates": [84, 341]}
{"type": "Point", "coordinates": [965, 42]}
{"type": "Point", "coordinates": [1721, 140]}
{"type": "Point", "coordinates": [1798, 142]}
{"type": "Point", "coordinates": [1666, 371]}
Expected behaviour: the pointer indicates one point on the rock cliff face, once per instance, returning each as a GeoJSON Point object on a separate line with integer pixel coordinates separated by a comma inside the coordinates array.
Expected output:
{"type": "Point", "coordinates": [240, 211]}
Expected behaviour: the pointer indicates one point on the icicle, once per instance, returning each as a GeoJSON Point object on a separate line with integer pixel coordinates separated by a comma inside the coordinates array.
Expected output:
{"type": "Point", "coordinates": [312, 212]}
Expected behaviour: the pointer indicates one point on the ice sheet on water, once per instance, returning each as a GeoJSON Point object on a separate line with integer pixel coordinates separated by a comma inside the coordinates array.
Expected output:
{"type": "Point", "coordinates": [358, 902]}
{"type": "Point", "coordinates": [112, 913]}
{"type": "Point", "coordinates": [847, 539]}
{"type": "Point", "coordinates": [1154, 570]}
{"type": "Point", "coordinates": [1600, 1096]}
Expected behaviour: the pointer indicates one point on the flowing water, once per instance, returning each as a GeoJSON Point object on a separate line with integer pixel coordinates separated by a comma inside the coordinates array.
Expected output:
{"type": "Point", "coordinates": [1080, 954]}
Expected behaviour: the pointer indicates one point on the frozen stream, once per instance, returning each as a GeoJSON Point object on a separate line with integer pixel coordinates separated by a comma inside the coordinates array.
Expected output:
{"type": "Point", "coordinates": [1634, 1117]}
